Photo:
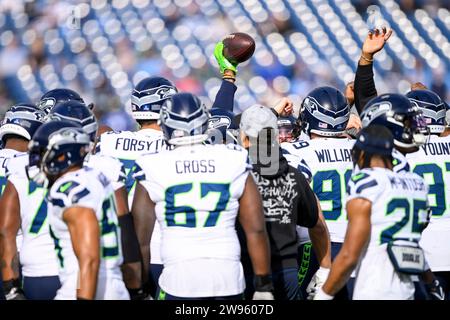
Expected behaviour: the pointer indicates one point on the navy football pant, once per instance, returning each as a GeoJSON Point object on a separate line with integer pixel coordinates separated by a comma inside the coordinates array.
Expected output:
{"type": "Point", "coordinates": [153, 278]}
{"type": "Point", "coordinates": [41, 288]}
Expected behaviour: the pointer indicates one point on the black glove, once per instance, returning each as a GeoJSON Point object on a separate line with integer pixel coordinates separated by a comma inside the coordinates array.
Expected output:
{"type": "Point", "coordinates": [263, 288]}
{"type": "Point", "coordinates": [12, 290]}
{"type": "Point", "coordinates": [435, 290]}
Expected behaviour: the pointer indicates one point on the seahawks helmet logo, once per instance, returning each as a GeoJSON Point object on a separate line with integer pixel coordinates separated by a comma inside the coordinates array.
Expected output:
{"type": "Point", "coordinates": [218, 122]}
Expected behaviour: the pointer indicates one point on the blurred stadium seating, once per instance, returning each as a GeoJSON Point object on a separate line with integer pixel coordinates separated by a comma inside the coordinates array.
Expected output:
{"type": "Point", "coordinates": [101, 48]}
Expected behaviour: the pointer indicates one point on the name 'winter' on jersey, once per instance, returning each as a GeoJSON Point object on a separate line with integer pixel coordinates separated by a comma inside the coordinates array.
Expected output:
{"type": "Point", "coordinates": [432, 162]}
{"type": "Point", "coordinates": [399, 211]}
{"type": "Point", "coordinates": [127, 146]}
{"type": "Point", "coordinates": [330, 162]}
{"type": "Point", "coordinates": [90, 189]}
{"type": "Point", "coordinates": [196, 190]}
{"type": "Point", "coordinates": [37, 257]}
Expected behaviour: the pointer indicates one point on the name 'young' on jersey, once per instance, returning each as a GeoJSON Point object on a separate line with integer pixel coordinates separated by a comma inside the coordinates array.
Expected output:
{"type": "Point", "coordinates": [432, 162]}
{"type": "Point", "coordinates": [196, 190]}
{"type": "Point", "coordinates": [90, 189]}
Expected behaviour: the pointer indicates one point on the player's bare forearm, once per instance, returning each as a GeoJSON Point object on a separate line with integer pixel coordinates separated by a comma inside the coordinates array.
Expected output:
{"type": "Point", "coordinates": [9, 226]}
{"type": "Point", "coordinates": [85, 234]}
{"type": "Point", "coordinates": [320, 239]}
{"type": "Point", "coordinates": [356, 238]}
{"type": "Point", "coordinates": [143, 211]}
{"type": "Point", "coordinates": [251, 217]}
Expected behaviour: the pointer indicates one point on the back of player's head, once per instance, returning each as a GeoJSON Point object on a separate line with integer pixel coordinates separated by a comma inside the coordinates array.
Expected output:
{"type": "Point", "coordinates": [396, 113]}
{"type": "Point", "coordinates": [148, 96]}
{"type": "Point", "coordinates": [22, 121]}
{"type": "Point", "coordinates": [285, 128]}
{"type": "Point", "coordinates": [259, 124]}
{"type": "Point", "coordinates": [184, 119]}
{"type": "Point", "coordinates": [77, 112]}
{"type": "Point", "coordinates": [432, 107]}
{"type": "Point", "coordinates": [55, 96]}
{"type": "Point", "coordinates": [325, 112]}
{"type": "Point", "coordinates": [373, 140]}
{"type": "Point", "coordinates": [221, 127]}
{"type": "Point", "coordinates": [56, 146]}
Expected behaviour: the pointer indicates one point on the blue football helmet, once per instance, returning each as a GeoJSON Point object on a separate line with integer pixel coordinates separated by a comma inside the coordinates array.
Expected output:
{"type": "Point", "coordinates": [148, 97]}
{"type": "Point", "coordinates": [184, 120]}
{"type": "Point", "coordinates": [56, 146]}
{"type": "Point", "coordinates": [325, 112]}
{"type": "Point", "coordinates": [76, 112]}
{"type": "Point", "coordinates": [432, 107]}
{"type": "Point", "coordinates": [22, 120]}
{"type": "Point", "coordinates": [221, 127]}
{"type": "Point", "coordinates": [395, 112]}
{"type": "Point", "coordinates": [55, 96]}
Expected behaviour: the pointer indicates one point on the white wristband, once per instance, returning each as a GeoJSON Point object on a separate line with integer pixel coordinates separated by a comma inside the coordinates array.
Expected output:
{"type": "Point", "coordinates": [321, 295]}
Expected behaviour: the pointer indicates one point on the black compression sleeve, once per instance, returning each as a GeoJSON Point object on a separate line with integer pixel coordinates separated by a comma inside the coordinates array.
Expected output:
{"type": "Point", "coordinates": [364, 86]}
{"type": "Point", "coordinates": [130, 243]}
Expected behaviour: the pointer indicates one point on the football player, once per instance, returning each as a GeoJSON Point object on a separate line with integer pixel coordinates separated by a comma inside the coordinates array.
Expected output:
{"type": "Point", "coordinates": [18, 127]}
{"type": "Point", "coordinates": [324, 115]}
{"type": "Point", "coordinates": [432, 162]}
{"type": "Point", "coordinates": [82, 214]}
{"type": "Point", "coordinates": [197, 191]}
{"type": "Point", "coordinates": [386, 213]}
{"type": "Point", "coordinates": [79, 113]}
{"type": "Point", "coordinates": [55, 96]}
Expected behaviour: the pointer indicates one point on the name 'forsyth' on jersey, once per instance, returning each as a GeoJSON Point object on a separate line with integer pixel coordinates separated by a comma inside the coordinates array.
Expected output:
{"type": "Point", "coordinates": [132, 144]}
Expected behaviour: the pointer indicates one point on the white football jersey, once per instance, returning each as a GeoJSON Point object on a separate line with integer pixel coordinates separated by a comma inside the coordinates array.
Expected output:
{"type": "Point", "coordinates": [127, 146]}
{"type": "Point", "coordinates": [111, 168]}
{"type": "Point", "coordinates": [196, 190]}
{"type": "Point", "coordinates": [432, 162]}
{"type": "Point", "coordinates": [37, 253]}
{"type": "Point", "coordinates": [87, 188]}
{"type": "Point", "coordinates": [330, 162]}
{"type": "Point", "coordinates": [5, 155]}
{"type": "Point", "coordinates": [399, 211]}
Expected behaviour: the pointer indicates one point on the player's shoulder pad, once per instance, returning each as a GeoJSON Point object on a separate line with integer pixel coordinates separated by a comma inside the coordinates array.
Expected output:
{"type": "Point", "coordinates": [363, 180]}
{"type": "Point", "coordinates": [297, 144]}
{"type": "Point", "coordinates": [69, 190]}
{"type": "Point", "coordinates": [16, 165]}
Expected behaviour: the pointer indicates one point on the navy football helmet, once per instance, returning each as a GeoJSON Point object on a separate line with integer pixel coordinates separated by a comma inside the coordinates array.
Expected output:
{"type": "Point", "coordinates": [148, 97]}
{"type": "Point", "coordinates": [325, 112]}
{"type": "Point", "coordinates": [221, 127]}
{"type": "Point", "coordinates": [56, 146]}
{"type": "Point", "coordinates": [395, 112]}
{"type": "Point", "coordinates": [286, 127]}
{"type": "Point", "coordinates": [55, 96]}
{"type": "Point", "coordinates": [432, 107]}
{"type": "Point", "coordinates": [184, 119]}
{"type": "Point", "coordinates": [76, 112]}
{"type": "Point", "coordinates": [22, 120]}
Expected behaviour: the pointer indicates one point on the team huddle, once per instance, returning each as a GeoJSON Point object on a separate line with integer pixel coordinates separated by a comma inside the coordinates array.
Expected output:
{"type": "Point", "coordinates": [205, 204]}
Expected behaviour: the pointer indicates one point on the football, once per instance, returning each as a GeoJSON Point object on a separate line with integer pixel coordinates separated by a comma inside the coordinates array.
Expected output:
{"type": "Point", "coordinates": [238, 47]}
